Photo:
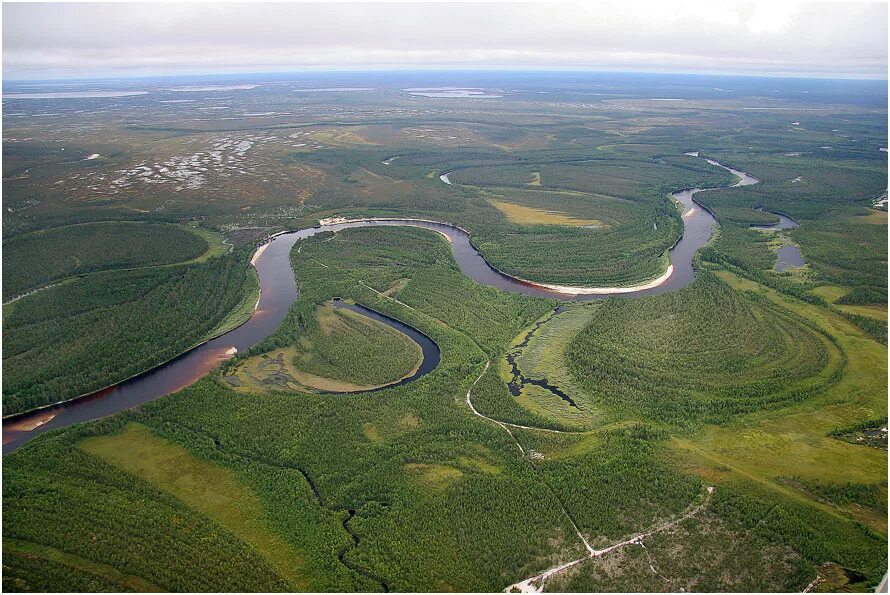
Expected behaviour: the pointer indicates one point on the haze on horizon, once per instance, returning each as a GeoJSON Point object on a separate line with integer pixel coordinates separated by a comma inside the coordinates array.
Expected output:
{"type": "Point", "coordinates": [80, 40]}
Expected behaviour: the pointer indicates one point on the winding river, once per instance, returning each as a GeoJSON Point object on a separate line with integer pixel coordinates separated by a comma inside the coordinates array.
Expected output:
{"type": "Point", "coordinates": [279, 291]}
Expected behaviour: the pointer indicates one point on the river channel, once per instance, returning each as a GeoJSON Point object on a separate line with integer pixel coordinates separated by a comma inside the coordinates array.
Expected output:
{"type": "Point", "coordinates": [279, 291]}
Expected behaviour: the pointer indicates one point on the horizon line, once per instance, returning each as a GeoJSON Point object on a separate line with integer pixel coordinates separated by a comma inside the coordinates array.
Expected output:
{"type": "Point", "coordinates": [369, 70]}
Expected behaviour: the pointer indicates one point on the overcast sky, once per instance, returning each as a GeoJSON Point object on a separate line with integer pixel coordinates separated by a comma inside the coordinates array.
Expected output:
{"type": "Point", "coordinates": [771, 37]}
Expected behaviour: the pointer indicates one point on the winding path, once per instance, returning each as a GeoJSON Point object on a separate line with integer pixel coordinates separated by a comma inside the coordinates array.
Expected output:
{"type": "Point", "coordinates": [535, 584]}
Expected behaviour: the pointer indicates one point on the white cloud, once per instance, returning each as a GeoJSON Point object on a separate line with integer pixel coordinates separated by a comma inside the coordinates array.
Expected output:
{"type": "Point", "coordinates": [734, 37]}
{"type": "Point", "coordinates": [772, 17]}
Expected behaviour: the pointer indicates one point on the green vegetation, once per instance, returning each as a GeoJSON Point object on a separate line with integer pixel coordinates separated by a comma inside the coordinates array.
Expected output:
{"type": "Point", "coordinates": [430, 512]}
{"type": "Point", "coordinates": [868, 433]}
{"type": "Point", "coordinates": [81, 336]}
{"type": "Point", "coordinates": [859, 494]}
{"type": "Point", "coordinates": [336, 350]}
{"type": "Point", "coordinates": [31, 567]}
{"type": "Point", "coordinates": [705, 353]}
{"type": "Point", "coordinates": [42, 257]}
{"type": "Point", "coordinates": [759, 447]}
{"type": "Point", "coordinates": [630, 221]}
{"type": "Point", "coordinates": [769, 387]}
{"type": "Point", "coordinates": [339, 343]}
{"type": "Point", "coordinates": [390, 456]}
{"type": "Point", "coordinates": [539, 354]}
{"type": "Point", "coordinates": [615, 483]}
{"type": "Point", "coordinates": [127, 528]}
{"type": "Point", "coordinates": [211, 490]}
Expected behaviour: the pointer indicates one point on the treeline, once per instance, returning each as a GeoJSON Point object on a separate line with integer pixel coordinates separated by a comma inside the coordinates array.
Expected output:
{"type": "Point", "coordinates": [842, 494]}
{"type": "Point", "coordinates": [818, 537]}
{"type": "Point", "coordinates": [50, 499]}
{"type": "Point", "coordinates": [621, 485]}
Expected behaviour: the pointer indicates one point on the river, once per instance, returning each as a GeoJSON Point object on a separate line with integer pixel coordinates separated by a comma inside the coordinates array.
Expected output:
{"type": "Point", "coordinates": [788, 256]}
{"type": "Point", "coordinates": [279, 291]}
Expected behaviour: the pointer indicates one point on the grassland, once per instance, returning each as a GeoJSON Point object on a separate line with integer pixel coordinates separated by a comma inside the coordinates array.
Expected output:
{"type": "Point", "coordinates": [530, 216]}
{"type": "Point", "coordinates": [207, 488]}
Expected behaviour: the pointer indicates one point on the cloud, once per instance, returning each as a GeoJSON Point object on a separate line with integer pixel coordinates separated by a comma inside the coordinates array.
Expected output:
{"type": "Point", "coordinates": [51, 40]}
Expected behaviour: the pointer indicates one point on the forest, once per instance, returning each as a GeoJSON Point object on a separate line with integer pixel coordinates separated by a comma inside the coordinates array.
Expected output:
{"type": "Point", "coordinates": [392, 458]}
{"type": "Point", "coordinates": [45, 256]}
{"type": "Point", "coordinates": [82, 336]}
{"type": "Point", "coordinates": [734, 426]}
{"type": "Point", "coordinates": [335, 349]}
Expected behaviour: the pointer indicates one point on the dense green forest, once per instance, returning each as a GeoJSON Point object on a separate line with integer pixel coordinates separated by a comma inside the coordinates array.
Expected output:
{"type": "Point", "coordinates": [81, 336]}
{"type": "Point", "coordinates": [704, 353]}
{"type": "Point", "coordinates": [41, 257]}
{"type": "Point", "coordinates": [403, 489]}
{"type": "Point", "coordinates": [734, 426]}
{"type": "Point", "coordinates": [626, 194]}
{"type": "Point", "coordinates": [336, 350]}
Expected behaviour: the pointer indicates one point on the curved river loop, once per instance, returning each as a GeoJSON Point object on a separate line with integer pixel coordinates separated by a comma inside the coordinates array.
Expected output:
{"type": "Point", "coordinates": [279, 291]}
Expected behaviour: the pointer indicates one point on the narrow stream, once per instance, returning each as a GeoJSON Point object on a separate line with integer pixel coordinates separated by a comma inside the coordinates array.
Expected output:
{"type": "Point", "coordinates": [279, 291]}
{"type": "Point", "coordinates": [519, 380]}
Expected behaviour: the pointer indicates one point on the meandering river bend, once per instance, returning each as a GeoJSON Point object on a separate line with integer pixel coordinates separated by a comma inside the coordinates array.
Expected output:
{"type": "Point", "coordinates": [279, 291]}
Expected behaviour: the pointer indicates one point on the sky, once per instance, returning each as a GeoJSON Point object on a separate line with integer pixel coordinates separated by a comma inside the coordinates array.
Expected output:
{"type": "Point", "coordinates": [82, 40]}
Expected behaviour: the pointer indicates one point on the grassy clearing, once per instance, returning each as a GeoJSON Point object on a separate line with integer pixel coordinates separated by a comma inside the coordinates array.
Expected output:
{"type": "Point", "coordinates": [875, 217]}
{"type": "Point", "coordinates": [338, 351]}
{"type": "Point", "coordinates": [215, 244]}
{"type": "Point", "coordinates": [543, 358]}
{"type": "Point", "coordinates": [833, 293]}
{"type": "Point", "coordinates": [829, 293]}
{"type": "Point", "coordinates": [522, 215]}
{"type": "Point", "coordinates": [794, 441]}
{"type": "Point", "coordinates": [872, 311]}
{"type": "Point", "coordinates": [207, 488]}
{"type": "Point", "coordinates": [433, 476]}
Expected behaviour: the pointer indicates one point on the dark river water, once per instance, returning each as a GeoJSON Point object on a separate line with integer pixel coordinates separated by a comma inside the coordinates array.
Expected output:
{"type": "Point", "coordinates": [785, 222]}
{"type": "Point", "coordinates": [788, 256]}
{"type": "Point", "coordinates": [279, 291]}
{"type": "Point", "coordinates": [431, 352]}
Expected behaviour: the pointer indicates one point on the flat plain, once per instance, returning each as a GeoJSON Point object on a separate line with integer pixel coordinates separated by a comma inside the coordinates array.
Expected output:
{"type": "Point", "coordinates": [727, 436]}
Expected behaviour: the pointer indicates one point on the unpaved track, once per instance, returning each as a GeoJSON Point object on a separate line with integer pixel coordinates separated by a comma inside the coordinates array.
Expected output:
{"type": "Point", "coordinates": [535, 584]}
